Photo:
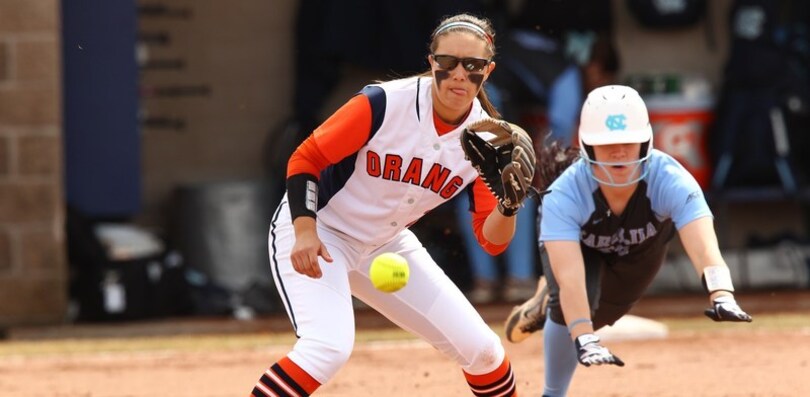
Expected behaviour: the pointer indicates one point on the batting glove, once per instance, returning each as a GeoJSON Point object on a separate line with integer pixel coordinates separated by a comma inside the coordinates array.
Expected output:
{"type": "Point", "coordinates": [590, 352]}
{"type": "Point", "coordinates": [726, 309]}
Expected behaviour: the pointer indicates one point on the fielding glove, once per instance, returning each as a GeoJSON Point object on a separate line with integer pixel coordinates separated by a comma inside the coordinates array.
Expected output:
{"type": "Point", "coordinates": [506, 163]}
{"type": "Point", "coordinates": [590, 352]}
{"type": "Point", "coordinates": [726, 309]}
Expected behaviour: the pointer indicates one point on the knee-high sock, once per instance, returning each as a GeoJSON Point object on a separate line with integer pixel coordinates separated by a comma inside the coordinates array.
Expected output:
{"type": "Point", "coordinates": [286, 379]}
{"type": "Point", "coordinates": [498, 383]}
{"type": "Point", "coordinates": [560, 358]}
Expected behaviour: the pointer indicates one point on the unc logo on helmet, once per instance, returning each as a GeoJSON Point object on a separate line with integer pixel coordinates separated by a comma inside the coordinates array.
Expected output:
{"type": "Point", "coordinates": [616, 122]}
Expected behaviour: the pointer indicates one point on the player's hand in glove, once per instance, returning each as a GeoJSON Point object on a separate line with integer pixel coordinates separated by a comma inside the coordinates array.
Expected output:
{"type": "Point", "coordinates": [725, 308]}
{"type": "Point", "coordinates": [590, 352]}
{"type": "Point", "coordinates": [505, 162]}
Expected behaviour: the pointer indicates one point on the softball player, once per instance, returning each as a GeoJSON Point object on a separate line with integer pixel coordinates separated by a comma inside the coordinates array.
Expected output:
{"type": "Point", "coordinates": [376, 166]}
{"type": "Point", "coordinates": [605, 227]}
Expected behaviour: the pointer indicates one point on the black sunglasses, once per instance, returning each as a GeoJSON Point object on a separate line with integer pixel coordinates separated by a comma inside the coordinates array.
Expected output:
{"type": "Point", "coordinates": [449, 62]}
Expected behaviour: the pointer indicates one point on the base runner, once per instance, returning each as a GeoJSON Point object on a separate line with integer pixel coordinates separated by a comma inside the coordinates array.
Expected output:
{"type": "Point", "coordinates": [605, 227]}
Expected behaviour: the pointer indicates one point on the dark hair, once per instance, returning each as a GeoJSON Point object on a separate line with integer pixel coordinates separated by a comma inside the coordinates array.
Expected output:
{"type": "Point", "coordinates": [552, 160]}
{"type": "Point", "coordinates": [487, 34]}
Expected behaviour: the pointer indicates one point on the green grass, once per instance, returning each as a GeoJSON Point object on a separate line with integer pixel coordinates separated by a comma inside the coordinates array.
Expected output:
{"type": "Point", "coordinates": [216, 342]}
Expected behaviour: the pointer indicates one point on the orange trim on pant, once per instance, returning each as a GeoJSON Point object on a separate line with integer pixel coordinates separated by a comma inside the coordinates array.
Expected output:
{"type": "Point", "coordinates": [499, 382]}
{"type": "Point", "coordinates": [285, 379]}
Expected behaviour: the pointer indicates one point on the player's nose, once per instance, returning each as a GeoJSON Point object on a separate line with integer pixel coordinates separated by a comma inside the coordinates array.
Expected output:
{"type": "Point", "coordinates": [620, 152]}
{"type": "Point", "coordinates": [458, 72]}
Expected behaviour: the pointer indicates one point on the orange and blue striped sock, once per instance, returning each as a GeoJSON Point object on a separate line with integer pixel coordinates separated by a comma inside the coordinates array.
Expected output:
{"type": "Point", "coordinates": [285, 379]}
{"type": "Point", "coordinates": [498, 383]}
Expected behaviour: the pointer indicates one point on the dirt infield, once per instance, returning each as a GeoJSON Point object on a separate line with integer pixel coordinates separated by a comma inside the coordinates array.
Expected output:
{"type": "Point", "coordinates": [734, 363]}
{"type": "Point", "coordinates": [770, 357]}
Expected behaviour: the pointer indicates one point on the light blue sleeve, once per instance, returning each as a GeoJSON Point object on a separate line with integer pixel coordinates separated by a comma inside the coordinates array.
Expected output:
{"type": "Point", "coordinates": [566, 208]}
{"type": "Point", "coordinates": [674, 192]}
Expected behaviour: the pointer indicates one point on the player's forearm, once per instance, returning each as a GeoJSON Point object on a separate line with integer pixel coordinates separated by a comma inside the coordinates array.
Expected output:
{"type": "Point", "coordinates": [302, 195]}
{"type": "Point", "coordinates": [304, 225]}
{"type": "Point", "coordinates": [700, 242]}
{"type": "Point", "coordinates": [576, 310]}
{"type": "Point", "coordinates": [499, 229]}
{"type": "Point", "coordinates": [568, 267]}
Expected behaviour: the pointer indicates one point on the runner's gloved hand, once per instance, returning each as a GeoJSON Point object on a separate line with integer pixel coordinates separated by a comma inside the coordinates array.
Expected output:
{"type": "Point", "coordinates": [590, 352]}
{"type": "Point", "coordinates": [726, 309]}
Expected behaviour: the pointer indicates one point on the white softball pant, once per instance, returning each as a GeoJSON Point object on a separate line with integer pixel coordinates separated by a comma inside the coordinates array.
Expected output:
{"type": "Point", "coordinates": [430, 306]}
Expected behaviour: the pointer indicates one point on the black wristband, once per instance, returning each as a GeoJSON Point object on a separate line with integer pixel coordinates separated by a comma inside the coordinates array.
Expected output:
{"type": "Point", "coordinates": [302, 193]}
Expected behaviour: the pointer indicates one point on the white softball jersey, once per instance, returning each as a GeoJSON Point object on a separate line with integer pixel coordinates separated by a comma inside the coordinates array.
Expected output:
{"type": "Point", "coordinates": [405, 170]}
{"type": "Point", "coordinates": [366, 202]}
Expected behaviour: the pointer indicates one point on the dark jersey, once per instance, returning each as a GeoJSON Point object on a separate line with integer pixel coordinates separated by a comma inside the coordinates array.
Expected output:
{"type": "Point", "coordinates": [666, 199]}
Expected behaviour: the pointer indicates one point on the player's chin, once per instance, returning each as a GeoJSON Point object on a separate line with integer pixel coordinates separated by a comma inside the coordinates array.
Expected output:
{"type": "Point", "coordinates": [620, 175]}
{"type": "Point", "coordinates": [624, 177]}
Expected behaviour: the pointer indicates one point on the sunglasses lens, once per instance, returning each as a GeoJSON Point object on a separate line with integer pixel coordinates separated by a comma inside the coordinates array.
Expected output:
{"type": "Point", "coordinates": [449, 62]}
{"type": "Point", "coordinates": [446, 62]}
{"type": "Point", "coordinates": [474, 65]}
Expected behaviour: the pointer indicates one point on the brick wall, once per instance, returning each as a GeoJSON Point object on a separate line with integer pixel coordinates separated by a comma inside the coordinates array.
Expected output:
{"type": "Point", "coordinates": [33, 276]}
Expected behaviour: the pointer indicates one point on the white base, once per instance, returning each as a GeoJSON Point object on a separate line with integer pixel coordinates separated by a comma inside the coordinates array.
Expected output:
{"type": "Point", "coordinates": [632, 327]}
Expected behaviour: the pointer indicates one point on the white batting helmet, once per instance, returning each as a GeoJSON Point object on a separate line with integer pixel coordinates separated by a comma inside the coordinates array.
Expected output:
{"type": "Point", "coordinates": [614, 114]}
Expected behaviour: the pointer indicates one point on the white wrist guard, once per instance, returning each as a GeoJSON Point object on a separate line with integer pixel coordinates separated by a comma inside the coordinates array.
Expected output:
{"type": "Point", "coordinates": [717, 278]}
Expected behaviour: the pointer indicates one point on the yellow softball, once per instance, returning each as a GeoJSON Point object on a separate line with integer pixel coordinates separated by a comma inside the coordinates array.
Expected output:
{"type": "Point", "coordinates": [389, 272]}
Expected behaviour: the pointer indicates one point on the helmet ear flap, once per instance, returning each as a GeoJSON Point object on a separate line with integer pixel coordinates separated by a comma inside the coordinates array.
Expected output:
{"type": "Point", "coordinates": [589, 151]}
{"type": "Point", "coordinates": [645, 150]}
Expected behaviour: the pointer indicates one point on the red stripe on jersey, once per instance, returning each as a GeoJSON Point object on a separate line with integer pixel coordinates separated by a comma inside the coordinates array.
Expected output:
{"type": "Point", "coordinates": [442, 127]}
{"type": "Point", "coordinates": [340, 136]}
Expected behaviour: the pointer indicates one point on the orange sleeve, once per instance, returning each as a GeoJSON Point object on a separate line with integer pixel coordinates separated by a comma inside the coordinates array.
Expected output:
{"type": "Point", "coordinates": [484, 202]}
{"type": "Point", "coordinates": [341, 135]}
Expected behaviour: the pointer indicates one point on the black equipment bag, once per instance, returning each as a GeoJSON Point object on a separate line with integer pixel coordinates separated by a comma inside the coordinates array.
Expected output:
{"type": "Point", "coordinates": [103, 289]}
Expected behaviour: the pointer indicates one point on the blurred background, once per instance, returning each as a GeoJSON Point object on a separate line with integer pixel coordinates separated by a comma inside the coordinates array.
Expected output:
{"type": "Point", "coordinates": [143, 144]}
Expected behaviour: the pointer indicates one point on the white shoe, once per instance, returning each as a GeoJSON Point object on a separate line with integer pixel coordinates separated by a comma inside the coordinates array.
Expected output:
{"type": "Point", "coordinates": [528, 317]}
